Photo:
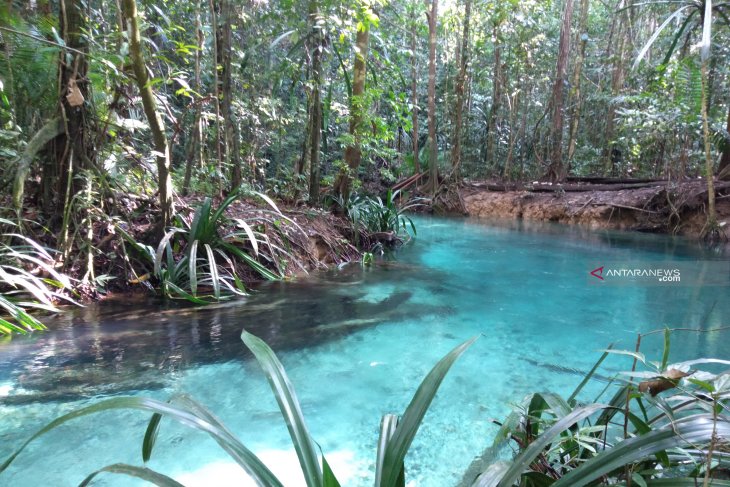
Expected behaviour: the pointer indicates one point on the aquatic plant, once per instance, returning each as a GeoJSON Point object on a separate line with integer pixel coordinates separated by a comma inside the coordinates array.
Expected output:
{"type": "Point", "coordinates": [29, 281]}
{"type": "Point", "coordinates": [376, 221]}
{"type": "Point", "coordinates": [396, 433]}
{"type": "Point", "coordinates": [638, 437]}
{"type": "Point", "coordinates": [195, 261]}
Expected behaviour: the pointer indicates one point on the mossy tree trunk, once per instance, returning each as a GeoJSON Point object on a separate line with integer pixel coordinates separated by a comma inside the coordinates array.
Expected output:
{"type": "Point", "coordinates": [432, 142]}
{"type": "Point", "coordinates": [162, 152]}
{"type": "Point", "coordinates": [414, 91]}
{"type": "Point", "coordinates": [353, 151]}
{"type": "Point", "coordinates": [74, 147]}
{"type": "Point", "coordinates": [315, 116]}
{"type": "Point", "coordinates": [459, 88]}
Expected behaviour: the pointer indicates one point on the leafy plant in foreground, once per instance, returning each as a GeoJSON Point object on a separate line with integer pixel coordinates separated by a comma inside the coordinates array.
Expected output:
{"type": "Point", "coordinates": [638, 437]}
{"type": "Point", "coordinates": [23, 266]}
{"type": "Point", "coordinates": [396, 433]}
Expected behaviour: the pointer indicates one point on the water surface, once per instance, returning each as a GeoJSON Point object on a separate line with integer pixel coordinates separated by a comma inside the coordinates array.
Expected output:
{"type": "Point", "coordinates": [356, 343]}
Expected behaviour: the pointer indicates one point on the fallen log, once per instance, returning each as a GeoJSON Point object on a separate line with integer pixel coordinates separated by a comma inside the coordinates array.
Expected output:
{"type": "Point", "coordinates": [408, 182]}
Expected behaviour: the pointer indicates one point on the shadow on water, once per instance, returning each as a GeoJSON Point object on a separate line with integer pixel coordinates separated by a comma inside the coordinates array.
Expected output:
{"type": "Point", "coordinates": [131, 345]}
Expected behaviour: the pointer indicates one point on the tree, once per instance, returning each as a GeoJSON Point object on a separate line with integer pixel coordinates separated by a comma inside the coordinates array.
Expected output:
{"type": "Point", "coordinates": [162, 151]}
{"type": "Point", "coordinates": [432, 142]}
{"type": "Point", "coordinates": [558, 170]}
{"type": "Point", "coordinates": [576, 100]}
{"type": "Point", "coordinates": [459, 92]}
{"type": "Point", "coordinates": [315, 117]}
{"type": "Point", "coordinates": [353, 151]}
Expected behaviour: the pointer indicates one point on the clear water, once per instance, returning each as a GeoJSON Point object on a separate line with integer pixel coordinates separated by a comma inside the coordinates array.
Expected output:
{"type": "Point", "coordinates": [355, 343]}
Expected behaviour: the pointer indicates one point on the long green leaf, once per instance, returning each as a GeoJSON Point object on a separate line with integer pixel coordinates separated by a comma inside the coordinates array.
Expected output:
{"type": "Point", "coordinates": [289, 406]}
{"type": "Point", "coordinates": [193, 267]}
{"type": "Point", "coordinates": [328, 476]}
{"type": "Point", "coordinates": [213, 271]}
{"type": "Point", "coordinates": [150, 436]}
{"type": "Point", "coordinates": [656, 33]}
{"type": "Point", "coordinates": [521, 463]}
{"type": "Point", "coordinates": [143, 473]}
{"type": "Point", "coordinates": [388, 425]}
{"type": "Point", "coordinates": [690, 431]}
{"type": "Point", "coordinates": [588, 376]}
{"type": "Point", "coordinates": [413, 416]}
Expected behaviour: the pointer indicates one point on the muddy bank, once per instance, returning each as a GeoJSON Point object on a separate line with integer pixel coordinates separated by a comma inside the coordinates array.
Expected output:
{"type": "Point", "coordinates": [658, 207]}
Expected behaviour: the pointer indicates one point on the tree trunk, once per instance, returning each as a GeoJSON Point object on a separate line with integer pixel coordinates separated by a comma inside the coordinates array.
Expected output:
{"type": "Point", "coordinates": [459, 89]}
{"type": "Point", "coordinates": [576, 100]}
{"type": "Point", "coordinates": [195, 154]}
{"type": "Point", "coordinates": [316, 108]}
{"type": "Point", "coordinates": [617, 80]}
{"type": "Point", "coordinates": [432, 147]}
{"type": "Point", "coordinates": [496, 98]}
{"type": "Point", "coordinates": [353, 153]}
{"type": "Point", "coordinates": [153, 117]}
{"type": "Point", "coordinates": [711, 228]}
{"type": "Point", "coordinates": [230, 129]}
{"type": "Point", "coordinates": [214, 10]}
{"type": "Point", "coordinates": [74, 149]}
{"type": "Point", "coordinates": [414, 93]}
{"type": "Point", "coordinates": [723, 170]}
{"type": "Point", "coordinates": [557, 170]}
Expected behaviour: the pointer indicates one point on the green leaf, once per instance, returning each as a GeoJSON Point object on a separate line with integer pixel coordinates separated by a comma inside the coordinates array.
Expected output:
{"type": "Point", "coordinates": [289, 406]}
{"type": "Point", "coordinates": [528, 455]}
{"type": "Point", "coordinates": [328, 476]}
{"type": "Point", "coordinates": [588, 376]}
{"type": "Point", "coordinates": [689, 431]}
{"type": "Point", "coordinates": [665, 355]}
{"type": "Point", "coordinates": [150, 436]}
{"type": "Point", "coordinates": [413, 416]}
{"type": "Point", "coordinates": [388, 425]}
{"type": "Point", "coordinates": [143, 473]}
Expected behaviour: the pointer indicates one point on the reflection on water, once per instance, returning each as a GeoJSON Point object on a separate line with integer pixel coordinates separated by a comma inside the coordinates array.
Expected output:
{"type": "Point", "coordinates": [118, 346]}
{"type": "Point", "coordinates": [356, 342]}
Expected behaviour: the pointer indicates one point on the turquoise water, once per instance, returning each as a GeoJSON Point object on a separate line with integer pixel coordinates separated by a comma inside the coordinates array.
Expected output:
{"type": "Point", "coordinates": [355, 343]}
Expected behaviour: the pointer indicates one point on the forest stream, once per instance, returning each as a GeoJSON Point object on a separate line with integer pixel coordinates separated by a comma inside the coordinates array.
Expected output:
{"type": "Point", "coordinates": [355, 341]}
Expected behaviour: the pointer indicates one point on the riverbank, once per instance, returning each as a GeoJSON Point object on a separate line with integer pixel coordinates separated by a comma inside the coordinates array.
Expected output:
{"type": "Point", "coordinates": [644, 206]}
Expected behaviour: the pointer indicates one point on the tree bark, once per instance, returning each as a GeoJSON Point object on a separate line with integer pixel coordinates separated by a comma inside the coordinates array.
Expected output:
{"type": "Point", "coordinates": [492, 119]}
{"type": "Point", "coordinates": [353, 152]}
{"type": "Point", "coordinates": [432, 147]}
{"type": "Point", "coordinates": [557, 170]}
{"type": "Point", "coordinates": [459, 92]}
{"type": "Point", "coordinates": [195, 154]}
{"type": "Point", "coordinates": [617, 80]}
{"type": "Point", "coordinates": [576, 100]}
{"type": "Point", "coordinates": [75, 147]}
{"type": "Point", "coordinates": [316, 108]}
{"type": "Point", "coordinates": [414, 93]}
{"type": "Point", "coordinates": [153, 117]}
{"type": "Point", "coordinates": [723, 170]}
{"type": "Point", "coordinates": [230, 127]}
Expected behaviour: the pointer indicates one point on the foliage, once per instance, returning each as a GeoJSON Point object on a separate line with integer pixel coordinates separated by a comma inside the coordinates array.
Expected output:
{"type": "Point", "coordinates": [374, 215]}
{"type": "Point", "coordinates": [395, 439]}
{"type": "Point", "coordinates": [198, 262]}
{"type": "Point", "coordinates": [564, 443]}
{"type": "Point", "coordinates": [29, 281]}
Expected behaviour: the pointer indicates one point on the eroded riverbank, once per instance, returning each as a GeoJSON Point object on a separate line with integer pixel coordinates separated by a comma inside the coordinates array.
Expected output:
{"type": "Point", "coordinates": [659, 207]}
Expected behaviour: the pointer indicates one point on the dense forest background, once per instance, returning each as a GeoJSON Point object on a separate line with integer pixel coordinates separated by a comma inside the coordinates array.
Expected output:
{"type": "Point", "coordinates": [271, 93]}
{"type": "Point", "coordinates": [115, 110]}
